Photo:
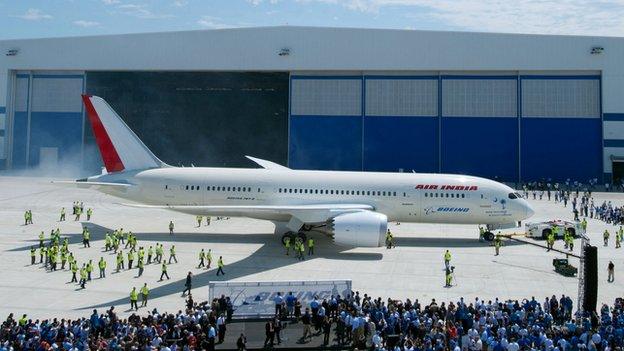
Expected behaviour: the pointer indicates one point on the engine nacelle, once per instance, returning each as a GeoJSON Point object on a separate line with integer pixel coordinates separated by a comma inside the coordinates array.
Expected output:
{"type": "Point", "coordinates": [362, 229]}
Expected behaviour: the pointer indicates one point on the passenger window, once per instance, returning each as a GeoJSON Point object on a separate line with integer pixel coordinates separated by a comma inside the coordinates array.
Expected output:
{"type": "Point", "coordinates": [383, 193]}
{"type": "Point", "coordinates": [238, 189]}
{"type": "Point", "coordinates": [512, 196]}
{"type": "Point", "coordinates": [394, 193]}
{"type": "Point", "coordinates": [447, 195]}
{"type": "Point", "coordinates": [463, 195]}
{"type": "Point", "coordinates": [197, 187]}
{"type": "Point", "coordinates": [425, 194]}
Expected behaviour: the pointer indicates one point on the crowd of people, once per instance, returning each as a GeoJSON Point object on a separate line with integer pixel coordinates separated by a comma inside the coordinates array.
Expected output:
{"type": "Point", "coordinates": [354, 321]}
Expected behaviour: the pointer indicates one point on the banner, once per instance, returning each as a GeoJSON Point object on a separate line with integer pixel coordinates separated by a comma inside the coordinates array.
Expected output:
{"type": "Point", "coordinates": [256, 299]}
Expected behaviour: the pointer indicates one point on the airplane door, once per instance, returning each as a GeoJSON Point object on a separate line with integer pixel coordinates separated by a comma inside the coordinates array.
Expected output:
{"type": "Point", "coordinates": [169, 191]}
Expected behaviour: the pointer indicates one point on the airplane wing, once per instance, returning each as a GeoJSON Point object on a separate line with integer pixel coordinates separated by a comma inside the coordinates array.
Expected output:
{"type": "Point", "coordinates": [316, 213]}
{"type": "Point", "coordinates": [268, 164]}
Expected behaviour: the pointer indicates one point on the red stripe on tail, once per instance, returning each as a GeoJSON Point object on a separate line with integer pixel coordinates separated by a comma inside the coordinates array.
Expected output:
{"type": "Point", "coordinates": [107, 149]}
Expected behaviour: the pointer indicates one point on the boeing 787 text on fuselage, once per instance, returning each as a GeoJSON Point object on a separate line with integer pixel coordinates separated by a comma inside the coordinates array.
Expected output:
{"type": "Point", "coordinates": [354, 208]}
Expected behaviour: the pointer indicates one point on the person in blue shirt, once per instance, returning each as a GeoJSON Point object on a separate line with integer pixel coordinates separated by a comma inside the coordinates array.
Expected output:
{"type": "Point", "coordinates": [278, 299]}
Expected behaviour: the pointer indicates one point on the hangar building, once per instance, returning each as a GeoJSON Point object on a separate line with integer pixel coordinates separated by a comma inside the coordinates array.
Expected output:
{"type": "Point", "coordinates": [505, 106]}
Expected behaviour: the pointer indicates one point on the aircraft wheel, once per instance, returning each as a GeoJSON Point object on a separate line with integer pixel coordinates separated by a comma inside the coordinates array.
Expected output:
{"type": "Point", "coordinates": [290, 235]}
{"type": "Point", "coordinates": [303, 237]}
{"type": "Point", "coordinates": [489, 236]}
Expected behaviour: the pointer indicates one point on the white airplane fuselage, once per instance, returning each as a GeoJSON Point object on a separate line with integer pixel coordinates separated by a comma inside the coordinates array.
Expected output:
{"type": "Point", "coordinates": [404, 197]}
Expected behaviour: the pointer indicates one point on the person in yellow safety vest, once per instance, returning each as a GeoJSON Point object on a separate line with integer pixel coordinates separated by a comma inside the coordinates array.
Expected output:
{"type": "Point", "coordinates": [33, 254]}
{"type": "Point", "coordinates": [78, 210]}
{"type": "Point", "coordinates": [41, 239]}
{"type": "Point", "coordinates": [570, 242]}
{"type": "Point", "coordinates": [107, 242]}
{"type": "Point", "coordinates": [144, 294]}
{"type": "Point", "coordinates": [102, 266]}
{"type": "Point", "coordinates": [89, 269]}
{"type": "Point", "coordinates": [62, 219]}
{"type": "Point", "coordinates": [63, 258]}
{"type": "Point", "coordinates": [448, 277]}
{"type": "Point", "coordinates": [172, 254]}
{"type": "Point", "coordinates": [42, 253]}
{"type": "Point", "coordinates": [202, 257]}
{"type": "Point", "coordinates": [199, 220]}
{"type": "Point", "coordinates": [388, 239]}
{"type": "Point", "coordinates": [83, 275]}
{"type": "Point", "coordinates": [74, 269]}
{"type": "Point", "coordinates": [170, 227]}
{"type": "Point", "coordinates": [163, 270]}
{"type": "Point", "coordinates": [617, 241]}
{"type": "Point", "coordinates": [605, 238]}
{"type": "Point", "coordinates": [134, 298]}
{"type": "Point", "coordinates": [207, 221]}
{"type": "Point", "coordinates": [26, 218]}
{"type": "Point", "coordinates": [310, 246]}
{"type": "Point", "coordinates": [208, 258]}
{"type": "Point", "coordinates": [447, 259]}
{"type": "Point", "coordinates": [287, 245]}
{"type": "Point", "coordinates": [584, 225]}
{"type": "Point", "coordinates": [130, 259]}
{"type": "Point", "coordinates": [497, 244]}
{"type": "Point", "coordinates": [23, 321]}
{"type": "Point", "coordinates": [159, 253]}
{"type": "Point", "coordinates": [550, 241]}
{"type": "Point", "coordinates": [220, 265]}
{"type": "Point", "coordinates": [141, 266]}
{"type": "Point", "coordinates": [120, 261]}
{"type": "Point", "coordinates": [621, 233]}
{"type": "Point", "coordinates": [481, 233]}
{"type": "Point", "coordinates": [85, 237]}
{"type": "Point", "coordinates": [89, 214]}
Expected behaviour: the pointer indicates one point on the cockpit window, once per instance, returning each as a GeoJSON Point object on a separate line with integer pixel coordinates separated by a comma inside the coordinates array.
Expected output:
{"type": "Point", "coordinates": [518, 195]}
{"type": "Point", "coordinates": [512, 196]}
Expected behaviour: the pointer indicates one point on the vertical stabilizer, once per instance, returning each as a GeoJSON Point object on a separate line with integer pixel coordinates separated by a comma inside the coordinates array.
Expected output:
{"type": "Point", "coordinates": [120, 148]}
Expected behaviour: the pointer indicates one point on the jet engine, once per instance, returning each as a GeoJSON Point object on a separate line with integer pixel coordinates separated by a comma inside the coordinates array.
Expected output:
{"type": "Point", "coordinates": [361, 229]}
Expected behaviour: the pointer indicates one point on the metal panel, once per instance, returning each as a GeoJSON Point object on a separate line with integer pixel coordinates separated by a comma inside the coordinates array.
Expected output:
{"type": "Point", "coordinates": [561, 148]}
{"type": "Point", "coordinates": [57, 94]}
{"type": "Point", "coordinates": [56, 129]}
{"type": "Point", "coordinates": [485, 147]}
{"type": "Point", "coordinates": [325, 142]}
{"type": "Point", "coordinates": [561, 97]}
{"type": "Point", "coordinates": [477, 96]}
{"type": "Point", "coordinates": [401, 96]}
{"type": "Point", "coordinates": [326, 96]}
{"type": "Point", "coordinates": [393, 143]}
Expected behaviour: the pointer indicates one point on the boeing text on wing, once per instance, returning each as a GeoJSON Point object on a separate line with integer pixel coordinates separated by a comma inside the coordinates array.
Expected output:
{"type": "Point", "coordinates": [352, 207]}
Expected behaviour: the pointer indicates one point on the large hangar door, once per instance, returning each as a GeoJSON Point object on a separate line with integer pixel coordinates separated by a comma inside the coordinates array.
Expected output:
{"type": "Point", "coordinates": [199, 118]}
{"type": "Point", "coordinates": [480, 126]}
{"type": "Point", "coordinates": [400, 124]}
{"type": "Point", "coordinates": [561, 127]}
{"type": "Point", "coordinates": [326, 122]}
{"type": "Point", "coordinates": [47, 120]}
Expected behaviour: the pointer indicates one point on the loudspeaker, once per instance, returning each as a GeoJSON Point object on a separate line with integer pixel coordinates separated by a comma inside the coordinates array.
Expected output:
{"type": "Point", "coordinates": [590, 290]}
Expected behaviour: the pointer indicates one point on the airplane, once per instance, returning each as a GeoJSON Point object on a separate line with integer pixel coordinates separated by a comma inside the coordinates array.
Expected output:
{"type": "Point", "coordinates": [353, 208]}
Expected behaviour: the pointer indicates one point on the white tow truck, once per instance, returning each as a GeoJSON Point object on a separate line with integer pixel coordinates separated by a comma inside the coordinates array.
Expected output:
{"type": "Point", "coordinates": [541, 230]}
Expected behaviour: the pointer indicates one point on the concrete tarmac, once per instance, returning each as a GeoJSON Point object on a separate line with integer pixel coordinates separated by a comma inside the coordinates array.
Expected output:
{"type": "Point", "coordinates": [251, 252]}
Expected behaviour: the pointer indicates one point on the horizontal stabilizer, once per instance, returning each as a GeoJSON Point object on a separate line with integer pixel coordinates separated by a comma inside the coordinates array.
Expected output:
{"type": "Point", "coordinates": [80, 184]}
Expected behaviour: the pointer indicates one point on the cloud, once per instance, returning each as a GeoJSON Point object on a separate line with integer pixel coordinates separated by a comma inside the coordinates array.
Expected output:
{"type": "Point", "coordinates": [180, 3]}
{"type": "Point", "coordinates": [258, 2]}
{"type": "Point", "coordinates": [34, 15]}
{"type": "Point", "coordinates": [86, 24]}
{"type": "Point", "coordinates": [111, 2]}
{"type": "Point", "coordinates": [140, 11]}
{"type": "Point", "coordinates": [583, 17]}
{"type": "Point", "coordinates": [213, 22]}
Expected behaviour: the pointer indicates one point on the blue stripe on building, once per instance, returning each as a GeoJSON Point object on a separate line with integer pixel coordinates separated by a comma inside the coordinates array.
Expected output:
{"type": "Point", "coordinates": [613, 143]}
{"type": "Point", "coordinates": [62, 130]}
{"type": "Point", "coordinates": [613, 116]}
{"type": "Point", "coordinates": [325, 142]}
{"type": "Point", "coordinates": [391, 143]}
{"type": "Point", "coordinates": [561, 148]}
{"type": "Point", "coordinates": [480, 146]}
{"type": "Point", "coordinates": [2, 109]}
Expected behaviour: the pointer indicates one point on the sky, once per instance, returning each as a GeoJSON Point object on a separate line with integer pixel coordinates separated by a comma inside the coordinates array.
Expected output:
{"type": "Point", "coordinates": [59, 18]}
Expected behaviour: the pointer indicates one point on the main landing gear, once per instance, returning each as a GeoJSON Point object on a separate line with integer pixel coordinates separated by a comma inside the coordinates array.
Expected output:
{"type": "Point", "coordinates": [292, 235]}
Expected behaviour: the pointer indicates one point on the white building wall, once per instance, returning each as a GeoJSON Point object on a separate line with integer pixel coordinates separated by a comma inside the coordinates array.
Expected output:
{"type": "Point", "coordinates": [327, 50]}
